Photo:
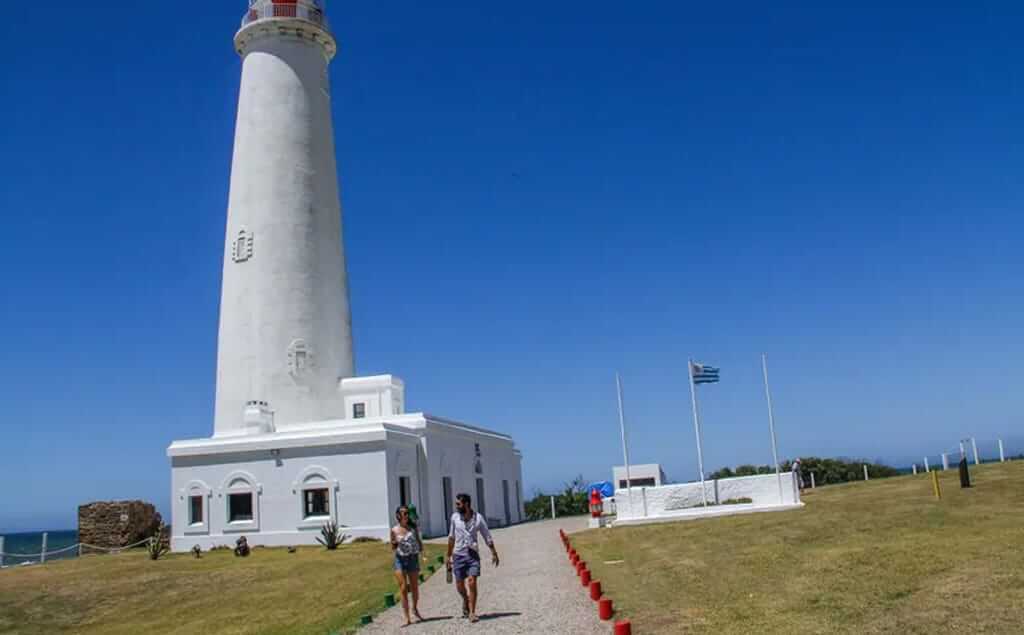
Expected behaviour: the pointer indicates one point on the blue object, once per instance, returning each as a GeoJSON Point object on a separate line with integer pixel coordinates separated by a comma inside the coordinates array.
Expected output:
{"type": "Point", "coordinates": [606, 488]}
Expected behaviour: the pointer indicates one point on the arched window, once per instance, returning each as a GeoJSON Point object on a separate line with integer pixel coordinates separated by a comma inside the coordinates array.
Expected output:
{"type": "Point", "coordinates": [317, 492]}
{"type": "Point", "coordinates": [241, 495]}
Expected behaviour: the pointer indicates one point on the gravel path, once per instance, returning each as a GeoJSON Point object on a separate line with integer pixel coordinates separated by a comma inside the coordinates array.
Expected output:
{"type": "Point", "coordinates": [533, 591]}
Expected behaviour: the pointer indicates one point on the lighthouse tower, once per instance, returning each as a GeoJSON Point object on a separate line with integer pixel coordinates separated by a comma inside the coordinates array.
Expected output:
{"type": "Point", "coordinates": [285, 335]}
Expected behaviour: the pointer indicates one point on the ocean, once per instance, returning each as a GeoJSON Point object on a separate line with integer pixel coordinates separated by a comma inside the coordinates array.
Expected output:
{"type": "Point", "coordinates": [32, 543]}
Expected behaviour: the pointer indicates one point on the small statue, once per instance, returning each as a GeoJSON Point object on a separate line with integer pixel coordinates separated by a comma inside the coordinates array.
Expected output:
{"type": "Point", "coordinates": [197, 553]}
{"type": "Point", "coordinates": [242, 547]}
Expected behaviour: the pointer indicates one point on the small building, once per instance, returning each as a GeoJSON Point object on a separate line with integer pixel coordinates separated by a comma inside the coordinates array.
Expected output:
{"type": "Point", "coordinates": [648, 475]}
{"type": "Point", "coordinates": [279, 486]}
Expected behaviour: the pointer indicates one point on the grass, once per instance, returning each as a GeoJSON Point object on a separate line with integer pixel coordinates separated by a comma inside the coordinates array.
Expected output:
{"type": "Point", "coordinates": [312, 591]}
{"type": "Point", "coordinates": [878, 557]}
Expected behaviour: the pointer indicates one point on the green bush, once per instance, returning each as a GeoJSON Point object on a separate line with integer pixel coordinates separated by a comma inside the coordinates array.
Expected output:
{"type": "Point", "coordinates": [574, 500]}
{"type": "Point", "coordinates": [826, 471]}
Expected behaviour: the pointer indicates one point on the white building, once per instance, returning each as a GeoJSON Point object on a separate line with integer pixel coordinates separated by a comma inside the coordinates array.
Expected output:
{"type": "Point", "coordinates": [297, 439]}
{"type": "Point", "coordinates": [646, 475]}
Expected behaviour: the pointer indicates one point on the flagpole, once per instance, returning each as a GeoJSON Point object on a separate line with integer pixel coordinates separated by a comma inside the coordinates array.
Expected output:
{"type": "Point", "coordinates": [696, 429]}
{"type": "Point", "coordinates": [771, 424]}
{"type": "Point", "coordinates": [625, 447]}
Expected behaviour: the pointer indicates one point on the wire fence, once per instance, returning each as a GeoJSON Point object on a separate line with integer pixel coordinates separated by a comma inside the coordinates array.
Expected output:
{"type": "Point", "coordinates": [44, 555]}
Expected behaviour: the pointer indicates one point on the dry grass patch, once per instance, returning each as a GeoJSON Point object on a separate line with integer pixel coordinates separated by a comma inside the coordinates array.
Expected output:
{"type": "Point", "coordinates": [312, 591]}
{"type": "Point", "coordinates": [876, 557]}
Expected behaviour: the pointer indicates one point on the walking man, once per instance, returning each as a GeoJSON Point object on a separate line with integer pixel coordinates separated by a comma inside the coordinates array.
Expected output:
{"type": "Point", "coordinates": [464, 552]}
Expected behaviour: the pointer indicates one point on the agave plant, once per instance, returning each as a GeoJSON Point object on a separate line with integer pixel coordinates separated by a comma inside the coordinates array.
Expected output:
{"type": "Point", "coordinates": [331, 536]}
{"type": "Point", "coordinates": [156, 547]}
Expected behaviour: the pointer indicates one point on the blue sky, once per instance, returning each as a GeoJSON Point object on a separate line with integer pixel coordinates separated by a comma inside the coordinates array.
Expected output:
{"type": "Point", "coordinates": [536, 195]}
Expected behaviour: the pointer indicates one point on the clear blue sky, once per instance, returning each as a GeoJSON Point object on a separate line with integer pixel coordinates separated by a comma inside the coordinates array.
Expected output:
{"type": "Point", "coordinates": [536, 195]}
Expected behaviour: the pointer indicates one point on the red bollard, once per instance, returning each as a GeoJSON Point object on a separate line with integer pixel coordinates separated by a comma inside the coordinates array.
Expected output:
{"type": "Point", "coordinates": [581, 567]}
{"type": "Point", "coordinates": [623, 627]}
{"type": "Point", "coordinates": [585, 577]}
{"type": "Point", "coordinates": [595, 590]}
{"type": "Point", "coordinates": [604, 609]}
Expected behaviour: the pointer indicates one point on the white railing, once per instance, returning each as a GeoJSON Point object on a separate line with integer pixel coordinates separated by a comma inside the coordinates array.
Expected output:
{"type": "Point", "coordinates": [302, 10]}
{"type": "Point", "coordinates": [77, 549]}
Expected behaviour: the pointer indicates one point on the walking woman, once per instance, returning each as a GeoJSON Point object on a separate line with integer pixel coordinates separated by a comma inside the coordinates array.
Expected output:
{"type": "Point", "coordinates": [407, 545]}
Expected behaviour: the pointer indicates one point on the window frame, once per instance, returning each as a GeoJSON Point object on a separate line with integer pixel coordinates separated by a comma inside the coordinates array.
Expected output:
{"type": "Point", "coordinates": [315, 477]}
{"type": "Point", "coordinates": [196, 489]}
{"type": "Point", "coordinates": [241, 483]}
{"type": "Point", "coordinates": [306, 503]}
{"type": "Point", "coordinates": [359, 410]}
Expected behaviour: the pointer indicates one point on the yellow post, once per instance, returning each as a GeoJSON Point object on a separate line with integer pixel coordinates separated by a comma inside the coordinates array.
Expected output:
{"type": "Point", "coordinates": [935, 485]}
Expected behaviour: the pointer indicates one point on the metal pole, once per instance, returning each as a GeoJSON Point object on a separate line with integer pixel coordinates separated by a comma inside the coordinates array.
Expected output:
{"type": "Point", "coordinates": [43, 550]}
{"type": "Point", "coordinates": [974, 445]}
{"type": "Point", "coordinates": [865, 472]}
{"type": "Point", "coordinates": [1002, 455]}
{"type": "Point", "coordinates": [696, 428]}
{"type": "Point", "coordinates": [552, 508]}
{"type": "Point", "coordinates": [625, 446]}
{"type": "Point", "coordinates": [945, 461]}
{"type": "Point", "coordinates": [812, 480]}
{"type": "Point", "coordinates": [915, 469]}
{"type": "Point", "coordinates": [926, 467]}
{"type": "Point", "coordinates": [1, 551]}
{"type": "Point", "coordinates": [771, 424]}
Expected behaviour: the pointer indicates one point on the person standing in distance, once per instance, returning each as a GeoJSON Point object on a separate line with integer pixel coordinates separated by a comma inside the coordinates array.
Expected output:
{"type": "Point", "coordinates": [464, 552]}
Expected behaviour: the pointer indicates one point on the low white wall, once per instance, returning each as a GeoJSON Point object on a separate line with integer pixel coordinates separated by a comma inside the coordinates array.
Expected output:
{"type": "Point", "coordinates": [763, 490]}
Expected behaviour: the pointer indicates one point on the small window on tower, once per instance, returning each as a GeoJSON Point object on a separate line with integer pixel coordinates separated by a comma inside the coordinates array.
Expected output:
{"type": "Point", "coordinates": [359, 411]}
{"type": "Point", "coordinates": [241, 247]}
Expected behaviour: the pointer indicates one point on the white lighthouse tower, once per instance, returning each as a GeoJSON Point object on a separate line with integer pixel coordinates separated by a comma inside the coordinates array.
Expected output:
{"type": "Point", "coordinates": [285, 326]}
{"type": "Point", "coordinates": [298, 441]}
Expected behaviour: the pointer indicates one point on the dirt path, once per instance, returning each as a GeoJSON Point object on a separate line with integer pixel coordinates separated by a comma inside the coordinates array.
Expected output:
{"type": "Point", "coordinates": [533, 591]}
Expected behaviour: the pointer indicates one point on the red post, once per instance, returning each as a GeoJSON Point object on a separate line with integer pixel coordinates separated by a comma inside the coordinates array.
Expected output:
{"type": "Point", "coordinates": [623, 627]}
{"type": "Point", "coordinates": [585, 577]}
{"type": "Point", "coordinates": [595, 590]}
{"type": "Point", "coordinates": [604, 609]}
{"type": "Point", "coordinates": [580, 567]}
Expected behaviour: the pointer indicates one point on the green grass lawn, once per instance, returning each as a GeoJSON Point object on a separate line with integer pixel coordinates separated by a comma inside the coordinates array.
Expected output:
{"type": "Point", "coordinates": [312, 591]}
{"type": "Point", "coordinates": [877, 557]}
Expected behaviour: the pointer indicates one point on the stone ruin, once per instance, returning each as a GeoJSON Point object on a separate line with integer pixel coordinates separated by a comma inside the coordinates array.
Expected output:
{"type": "Point", "coordinates": [116, 524]}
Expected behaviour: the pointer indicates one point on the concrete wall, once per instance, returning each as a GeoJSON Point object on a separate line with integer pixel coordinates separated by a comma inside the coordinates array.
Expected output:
{"type": "Point", "coordinates": [356, 475]}
{"type": "Point", "coordinates": [450, 451]}
{"type": "Point", "coordinates": [655, 501]}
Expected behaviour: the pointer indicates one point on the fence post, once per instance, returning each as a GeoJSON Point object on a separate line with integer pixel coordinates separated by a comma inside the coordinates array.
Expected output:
{"type": "Point", "coordinates": [926, 467]}
{"type": "Point", "coordinates": [42, 559]}
{"type": "Point", "coordinates": [1002, 455]}
{"type": "Point", "coordinates": [915, 469]}
{"type": "Point", "coordinates": [945, 461]}
{"type": "Point", "coordinates": [552, 508]}
{"type": "Point", "coordinates": [974, 445]}
{"type": "Point", "coordinates": [865, 472]}
{"type": "Point", "coordinates": [812, 480]}
{"type": "Point", "coordinates": [643, 496]}
{"type": "Point", "coordinates": [1, 551]}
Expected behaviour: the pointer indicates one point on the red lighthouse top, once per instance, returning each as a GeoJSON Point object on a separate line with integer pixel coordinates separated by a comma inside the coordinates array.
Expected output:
{"type": "Point", "coordinates": [289, 18]}
{"type": "Point", "coordinates": [307, 10]}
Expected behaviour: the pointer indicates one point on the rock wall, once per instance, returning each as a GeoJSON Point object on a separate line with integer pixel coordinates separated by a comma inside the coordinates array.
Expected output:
{"type": "Point", "coordinates": [117, 524]}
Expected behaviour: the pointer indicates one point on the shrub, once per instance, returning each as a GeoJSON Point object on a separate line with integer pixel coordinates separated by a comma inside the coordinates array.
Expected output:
{"type": "Point", "coordinates": [156, 547]}
{"type": "Point", "coordinates": [738, 501]}
{"type": "Point", "coordinates": [331, 536]}
{"type": "Point", "coordinates": [364, 539]}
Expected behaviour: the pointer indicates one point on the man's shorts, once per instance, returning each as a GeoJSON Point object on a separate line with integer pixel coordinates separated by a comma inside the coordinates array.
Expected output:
{"type": "Point", "coordinates": [466, 565]}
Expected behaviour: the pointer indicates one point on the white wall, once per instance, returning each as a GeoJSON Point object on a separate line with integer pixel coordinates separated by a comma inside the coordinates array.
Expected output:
{"type": "Point", "coordinates": [355, 473]}
{"type": "Point", "coordinates": [655, 501]}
